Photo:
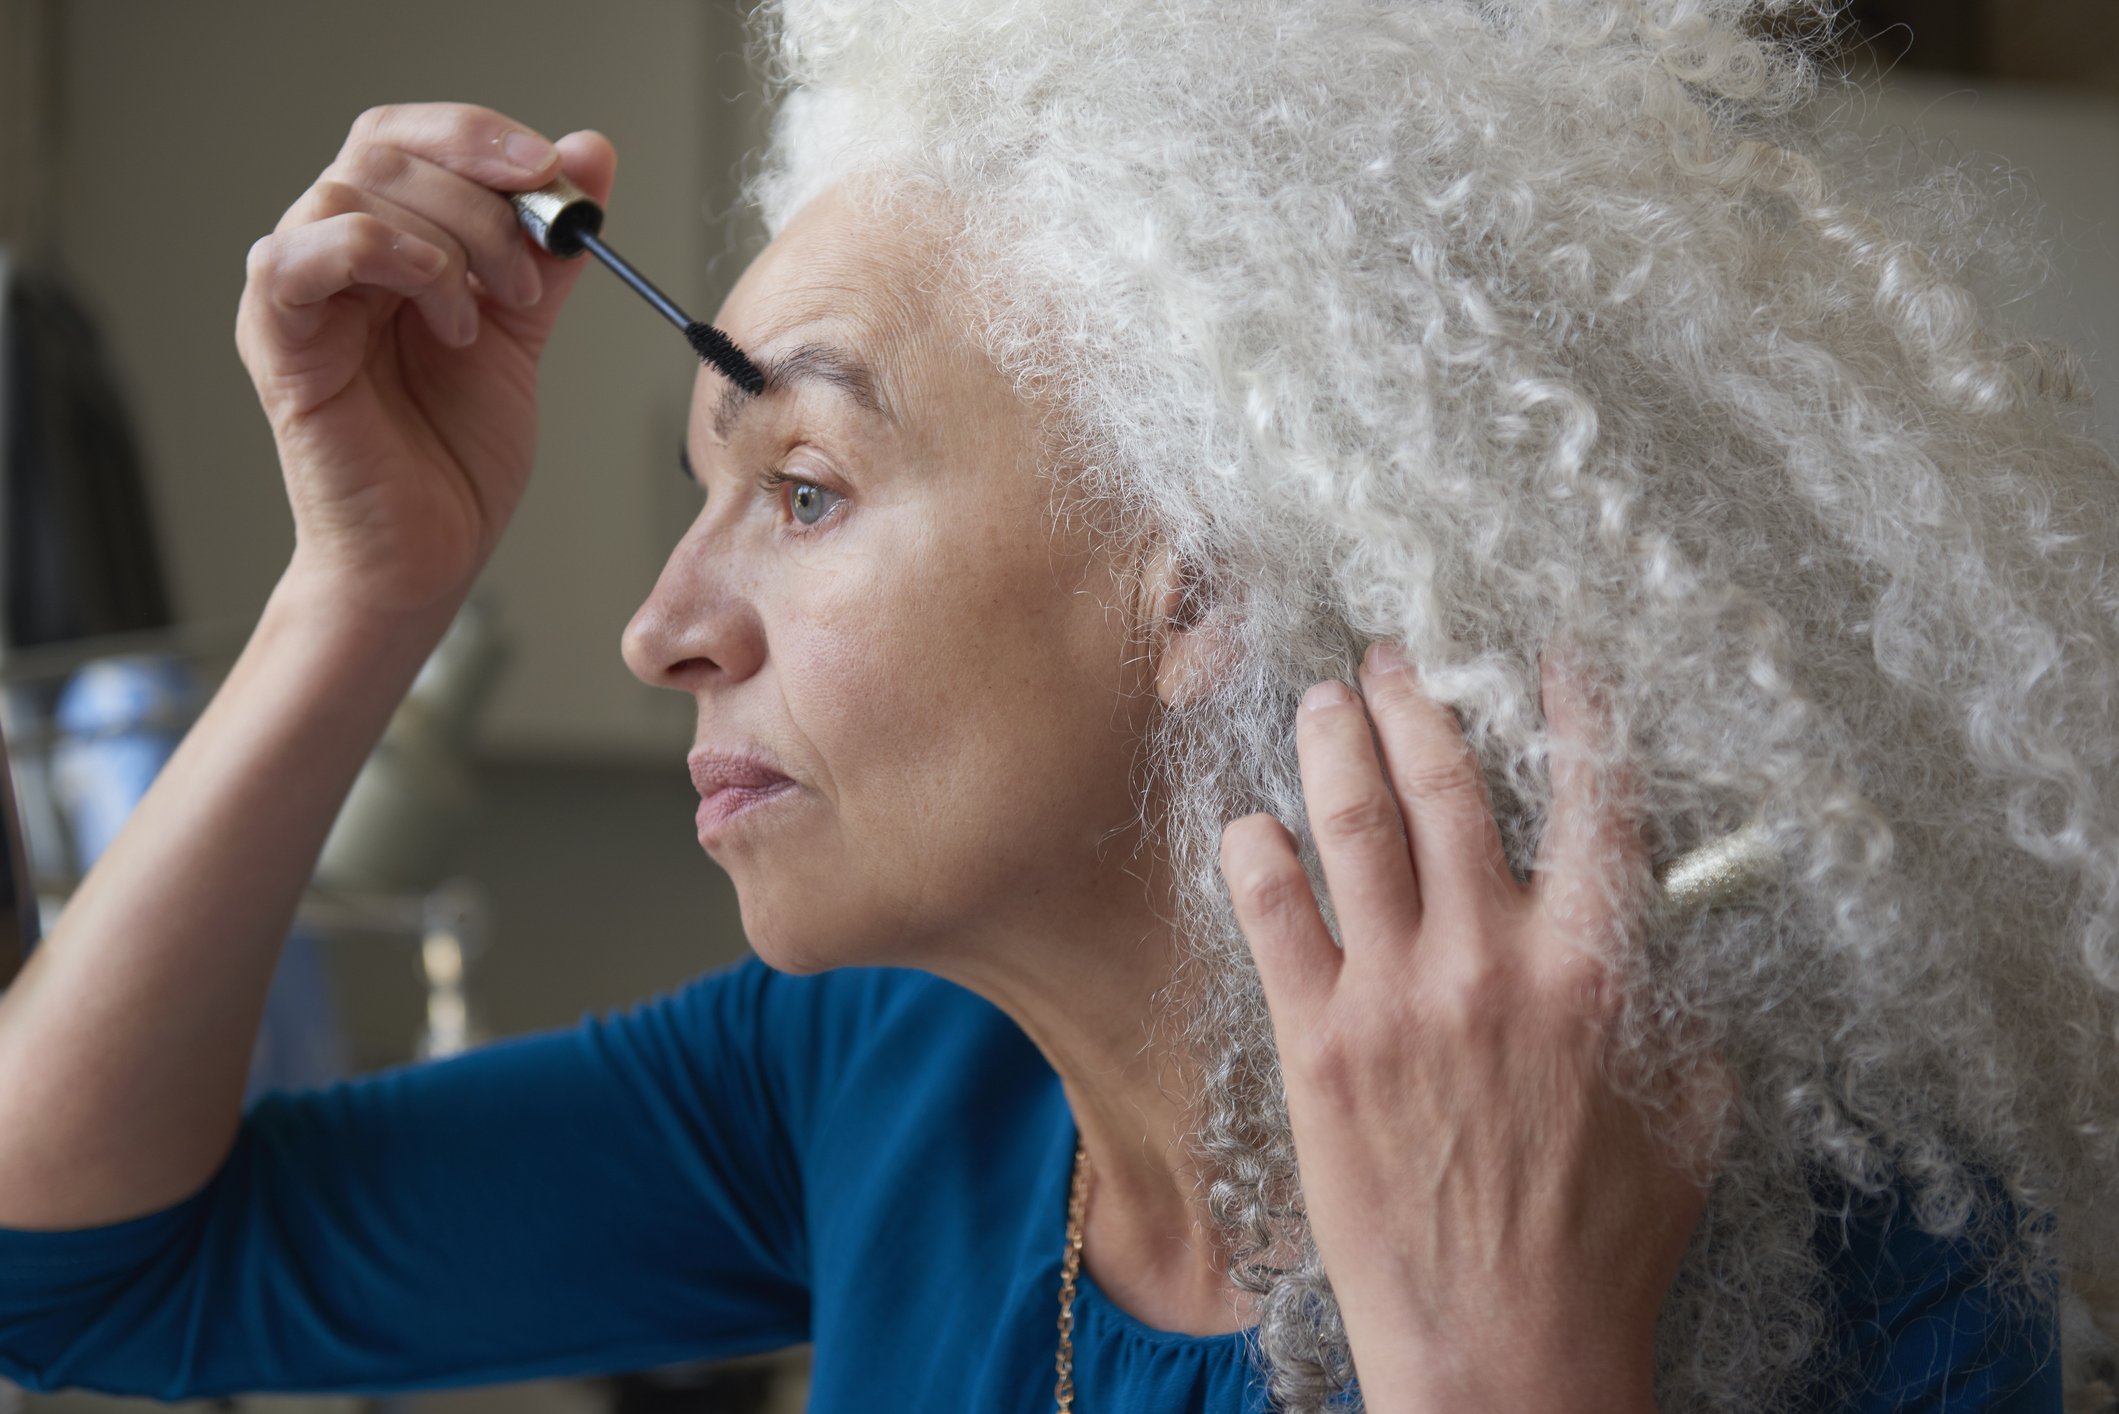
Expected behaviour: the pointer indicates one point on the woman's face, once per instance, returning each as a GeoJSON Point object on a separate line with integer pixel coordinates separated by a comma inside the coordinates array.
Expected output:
{"type": "Point", "coordinates": [943, 672]}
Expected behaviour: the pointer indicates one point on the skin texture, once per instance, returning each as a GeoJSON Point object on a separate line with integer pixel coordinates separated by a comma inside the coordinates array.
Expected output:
{"type": "Point", "coordinates": [957, 687]}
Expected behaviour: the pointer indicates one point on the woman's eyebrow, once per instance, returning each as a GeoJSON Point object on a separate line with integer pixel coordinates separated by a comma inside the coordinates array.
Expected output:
{"type": "Point", "coordinates": [831, 364]}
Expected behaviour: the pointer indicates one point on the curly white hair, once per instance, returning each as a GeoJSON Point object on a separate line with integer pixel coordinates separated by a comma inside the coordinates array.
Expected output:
{"type": "Point", "coordinates": [1479, 323]}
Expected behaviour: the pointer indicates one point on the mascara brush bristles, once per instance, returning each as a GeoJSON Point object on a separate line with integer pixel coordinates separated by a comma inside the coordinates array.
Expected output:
{"type": "Point", "coordinates": [718, 349]}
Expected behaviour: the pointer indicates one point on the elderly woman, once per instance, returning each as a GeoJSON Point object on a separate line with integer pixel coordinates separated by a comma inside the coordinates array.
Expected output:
{"type": "Point", "coordinates": [1267, 531]}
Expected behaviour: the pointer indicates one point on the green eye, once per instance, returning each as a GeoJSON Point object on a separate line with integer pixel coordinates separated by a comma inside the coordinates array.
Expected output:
{"type": "Point", "coordinates": [807, 502]}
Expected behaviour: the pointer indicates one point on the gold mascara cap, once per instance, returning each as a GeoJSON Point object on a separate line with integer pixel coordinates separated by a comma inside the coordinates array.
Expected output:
{"type": "Point", "coordinates": [557, 214]}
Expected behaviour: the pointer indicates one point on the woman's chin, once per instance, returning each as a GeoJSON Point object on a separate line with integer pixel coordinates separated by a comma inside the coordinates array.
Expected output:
{"type": "Point", "coordinates": [792, 945]}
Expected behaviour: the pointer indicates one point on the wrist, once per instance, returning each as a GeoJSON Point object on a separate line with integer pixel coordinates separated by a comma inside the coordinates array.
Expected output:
{"type": "Point", "coordinates": [1556, 1393]}
{"type": "Point", "coordinates": [1499, 1375]}
{"type": "Point", "coordinates": [326, 605]}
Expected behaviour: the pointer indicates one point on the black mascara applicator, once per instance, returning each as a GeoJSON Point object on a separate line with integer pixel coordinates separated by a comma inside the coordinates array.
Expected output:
{"type": "Point", "coordinates": [564, 220]}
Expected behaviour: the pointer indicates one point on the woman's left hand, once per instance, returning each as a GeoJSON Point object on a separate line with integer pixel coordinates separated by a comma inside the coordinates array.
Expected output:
{"type": "Point", "coordinates": [1499, 1227]}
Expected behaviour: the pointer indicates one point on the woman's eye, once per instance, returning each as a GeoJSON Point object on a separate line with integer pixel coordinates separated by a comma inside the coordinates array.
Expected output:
{"type": "Point", "coordinates": [807, 501]}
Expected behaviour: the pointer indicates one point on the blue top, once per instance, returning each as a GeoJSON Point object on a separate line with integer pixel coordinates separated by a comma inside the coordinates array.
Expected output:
{"type": "Point", "coordinates": [873, 1159]}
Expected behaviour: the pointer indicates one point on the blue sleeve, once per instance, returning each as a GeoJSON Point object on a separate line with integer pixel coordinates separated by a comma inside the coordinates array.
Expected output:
{"type": "Point", "coordinates": [1919, 1326]}
{"type": "Point", "coordinates": [619, 1195]}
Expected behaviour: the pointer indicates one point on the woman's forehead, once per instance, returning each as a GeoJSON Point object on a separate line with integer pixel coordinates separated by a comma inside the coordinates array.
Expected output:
{"type": "Point", "coordinates": [837, 260]}
{"type": "Point", "coordinates": [855, 302]}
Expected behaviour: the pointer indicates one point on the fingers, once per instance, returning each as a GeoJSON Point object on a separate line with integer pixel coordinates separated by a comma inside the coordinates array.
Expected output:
{"type": "Point", "coordinates": [446, 300]}
{"type": "Point", "coordinates": [478, 226]}
{"type": "Point", "coordinates": [453, 164]}
{"type": "Point", "coordinates": [305, 266]}
{"type": "Point", "coordinates": [447, 165]}
{"type": "Point", "coordinates": [1361, 839]}
{"type": "Point", "coordinates": [1591, 833]}
{"type": "Point", "coordinates": [416, 176]}
{"type": "Point", "coordinates": [1413, 834]}
{"type": "Point", "coordinates": [1297, 959]}
{"type": "Point", "coordinates": [1456, 846]}
{"type": "Point", "coordinates": [474, 142]}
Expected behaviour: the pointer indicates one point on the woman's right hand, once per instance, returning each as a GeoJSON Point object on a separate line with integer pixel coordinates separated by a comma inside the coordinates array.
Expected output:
{"type": "Point", "coordinates": [403, 394]}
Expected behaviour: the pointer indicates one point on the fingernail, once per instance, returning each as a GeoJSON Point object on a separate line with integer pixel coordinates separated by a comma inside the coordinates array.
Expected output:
{"type": "Point", "coordinates": [1329, 693]}
{"type": "Point", "coordinates": [1385, 657]}
{"type": "Point", "coordinates": [527, 151]}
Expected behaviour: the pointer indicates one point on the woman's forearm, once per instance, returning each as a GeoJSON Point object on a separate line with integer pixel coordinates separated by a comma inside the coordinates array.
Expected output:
{"type": "Point", "coordinates": [125, 1042]}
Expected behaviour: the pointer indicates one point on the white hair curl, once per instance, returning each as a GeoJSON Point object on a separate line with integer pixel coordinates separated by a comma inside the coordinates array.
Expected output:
{"type": "Point", "coordinates": [1476, 324]}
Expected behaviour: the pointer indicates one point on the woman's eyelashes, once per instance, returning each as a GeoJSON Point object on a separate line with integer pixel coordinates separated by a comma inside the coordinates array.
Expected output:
{"type": "Point", "coordinates": [808, 503]}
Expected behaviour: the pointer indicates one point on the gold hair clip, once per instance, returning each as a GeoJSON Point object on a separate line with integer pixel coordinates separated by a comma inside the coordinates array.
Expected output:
{"type": "Point", "coordinates": [1718, 872]}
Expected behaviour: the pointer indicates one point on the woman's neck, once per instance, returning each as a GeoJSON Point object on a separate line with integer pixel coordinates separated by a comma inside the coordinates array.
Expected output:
{"type": "Point", "coordinates": [1146, 1237]}
{"type": "Point", "coordinates": [1090, 1008]}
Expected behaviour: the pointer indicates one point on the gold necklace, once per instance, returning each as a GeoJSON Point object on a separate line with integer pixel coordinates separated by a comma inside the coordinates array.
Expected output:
{"type": "Point", "coordinates": [1070, 1266]}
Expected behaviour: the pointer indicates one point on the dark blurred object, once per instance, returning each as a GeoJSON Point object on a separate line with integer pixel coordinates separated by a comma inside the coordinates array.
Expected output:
{"type": "Point", "coordinates": [2030, 41]}
{"type": "Point", "coordinates": [1929, 34]}
{"type": "Point", "coordinates": [741, 1387]}
{"type": "Point", "coordinates": [76, 526]}
{"type": "Point", "coordinates": [19, 921]}
{"type": "Point", "coordinates": [81, 557]}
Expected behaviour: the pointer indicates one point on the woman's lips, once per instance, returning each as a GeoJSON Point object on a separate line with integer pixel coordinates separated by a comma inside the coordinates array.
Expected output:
{"type": "Point", "coordinates": [731, 782]}
{"type": "Point", "coordinates": [730, 803]}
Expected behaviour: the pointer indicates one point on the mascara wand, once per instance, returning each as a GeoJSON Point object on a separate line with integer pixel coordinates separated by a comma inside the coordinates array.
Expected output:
{"type": "Point", "coordinates": [565, 220]}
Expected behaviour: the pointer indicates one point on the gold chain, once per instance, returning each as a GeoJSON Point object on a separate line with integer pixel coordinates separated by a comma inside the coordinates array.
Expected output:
{"type": "Point", "coordinates": [1077, 1201]}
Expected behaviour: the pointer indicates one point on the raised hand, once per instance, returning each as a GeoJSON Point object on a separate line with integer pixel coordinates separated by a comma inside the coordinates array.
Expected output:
{"type": "Point", "coordinates": [392, 324]}
{"type": "Point", "coordinates": [1499, 1226]}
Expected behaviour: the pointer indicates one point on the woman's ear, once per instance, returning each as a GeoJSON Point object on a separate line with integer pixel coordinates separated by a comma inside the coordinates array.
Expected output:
{"type": "Point", "coordinates": [1186, 631]}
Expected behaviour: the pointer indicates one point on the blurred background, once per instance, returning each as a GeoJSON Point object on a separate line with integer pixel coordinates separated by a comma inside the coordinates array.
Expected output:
{"type": "Point", "coordinates": [520, 852]}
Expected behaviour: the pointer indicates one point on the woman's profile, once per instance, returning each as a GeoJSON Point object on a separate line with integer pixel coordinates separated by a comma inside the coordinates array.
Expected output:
{"type": "Point", "coordinates": [1267, 531]}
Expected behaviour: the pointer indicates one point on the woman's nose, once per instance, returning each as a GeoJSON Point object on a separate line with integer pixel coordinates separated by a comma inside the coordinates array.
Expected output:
{"type": "Point", "coordinates": [693, 623]}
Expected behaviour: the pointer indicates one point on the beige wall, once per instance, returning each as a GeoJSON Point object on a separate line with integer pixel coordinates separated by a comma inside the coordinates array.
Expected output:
{"type": "Point", "coordinates": [2063, 144]}
{"type": "Point", "coordinates": [185, 130]}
